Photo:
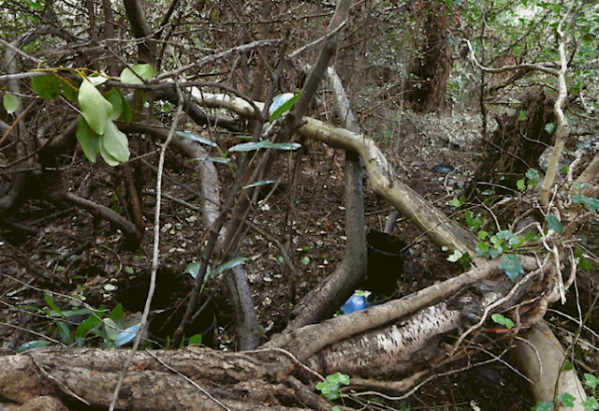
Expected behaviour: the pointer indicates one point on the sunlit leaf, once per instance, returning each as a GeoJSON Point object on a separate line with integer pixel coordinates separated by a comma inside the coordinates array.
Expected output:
{"type": "Point", "coordinates": [48, 86]}
{"type": "Point", "coordinates": [127, 335]}
{"type": "Point", "coordinates": [265, 144]}
{"type": "Point", "coordinates": [500, 319]}
{"type": "Point", "coordinates": [193, 269]}
{"type": "Point", "coordinates": [97, 80]}
{"type": "Point", "coordinates": [11, 103]}
{"type": "Point", "coordinates": [145, 71]}
{"type": "Point", "coordinates": [549, 127]}
{"type": "Point", "coordinates": [259, 183]}
{"type": "Point", "coordinates": [95, 108]}
{"type": "Point", "coordinates": [282, 104]}
{"type": "Point", "coordinates": [116, 99]}
{"type": "Point", "coordinates": [567, 399]}
{"type": "Point", "coordinates": [197, 138]}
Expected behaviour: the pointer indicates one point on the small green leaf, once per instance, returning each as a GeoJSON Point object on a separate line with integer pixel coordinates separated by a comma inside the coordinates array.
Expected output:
{"type": "Point", "coordinates": [567, 399]}
{"type": "Point", "coordinates": [543, 406]}
{"type": "Point", "coordinates": [584, 264]}
{"type": "Point", "coordinates": [221, 160]}
{"type": "Point", "coordinates": [228, 265]}
{"type": "Point", "coordinates": [521, 184]}
{"type": "Point", "coordinates": [128, 269]}
{"type": "Point", "coordinates": [145, 71]}
{"type": "Point", "coordinates": [511, 265]}
{"type": "Point", "coordinates": [522, 115]}
{"type": "Point", "coordinates": [89, 140]}
{"type": "Point", "coordinates": [282, 104]}
{"type": "Point", "coordinates": [197, 138]}
{"type": "Point", "coordinates": [259, 183]}
{"type": "Point", "coordinates": [592, 203]}
{"type": "Point", "coordinates": [193, 269]}
{"type": "Point", "coordinates": [48, 87]}
{"type": "Point", "coordinates": [195, 340]}
{"type": "Point", "coordinates": [66, 335]}
{"type": "Point", "coordinates": [500, 319]}
{"type": "Point", "coordinates": [11, 103]}
{"type": "Point", "coordinates": [305, 260]}
{"type": "Point", "coordinates": [549, 128]}
{"type": "Point", "coordinates": [532, 174]}
{"type": "Point", "coordinates": [95, 108]}
{"type": "Point", "coordinates": [591, 381]}
{"type": "Point", "coordinates": [455, 256]}
{"type": "Point", "coordinates": [554, 223]}
{"type": "Point", "coordinates": [482, 234]}
{"type": "Point", "coordinates": [455, 202]}
{"type": "Point", "coordinates": [590, 404]}
{"type": "Point", "coordinates": [265, 144]}
{"type": "Point", "coordinates": [53, 307]}
{"type": "Point", "coordinates": [111, 329]}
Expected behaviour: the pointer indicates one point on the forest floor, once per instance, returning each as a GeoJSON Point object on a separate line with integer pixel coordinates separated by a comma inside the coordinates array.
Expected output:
{"type": "Point", "coordinates": [79, 256]}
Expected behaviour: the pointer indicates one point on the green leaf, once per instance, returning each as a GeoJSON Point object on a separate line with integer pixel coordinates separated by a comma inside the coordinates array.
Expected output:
{"type": "Point", "coordinates": [500, 319]}
{"type": "Point", "coordinates": [554, 223]}
{"type": "Point", "coordinates": [568, 366]}
{"type": "Point", "coordinates": [97, 80]}
{"type": "Point", "coordinates": [89, 140]}
{"type": "Point", "coordinates": [117, 313]}
{"type": "Point", "coordinates": [522, 115]}
{"type": "Point", "coordinates": [70, 90]}
{"type": "Point", "coordinates": [339, 378]}
{"type": "Point", "coordinates": [197, 138]}
{"type": "Point", "coordinates": [48, 87]}
{"type": "Point", "coordinates": [66, 335]}
{"type": "Point", "coordinates": [591, 381]}
{"type": "Point", "coordinates": [228, 265]}
{"type": "Point", "coordinates": [116, 99]}
{"type": "Point", "coordinates": [111, 329]}
{"type": "Point", "coordinates": [33, 345]}
{"type": "Point", "coordinates": [482, 234]}
{"type": "Point", "coordinates": [532, 174]}
{"type": "Point", "coordinates": [11, 103]}
{"type": "Point", "coordinates": [95, 108]}
{"type": "Point", "coordinates": [511, 265]}
{"type": "Point", "coordinates": [212, 159]}
{"type": "Point", "coordinates": [549, 128]}
{"type": "Point", "coordinates": [455, 256]}
{"type": "Point", "coordinates": [265, 144]}
{"type": "Point", "coordinates": [259, 183]}
{"type": "Point", "coordinates": [37, 5]}
{"type": "Point", "coordinates": [567, 399]}
{"type": "Point", "coordinates": [584, 264]}
{"type": "Point", "coordinates": [590, 404]}
{"type": "Point", "coordinates": [115, 144]}
{"type": "Point", "coordinates": [145, 71]}
{"type": "Point", "coordinates": [193, 269]}
{"type": "Point", "coordinates": [592, 203]}
{"type": "Point", "coordinates": [195, 340]}
{"type": "Point", "coordinates": [543, 406]}
{"type": "Point", "coordinates": [53, 307]}
{"type": "Point", "coordinates": [283, 105]}
{"type": "Point", "coordinates": [455, 202]}
{"type": "Point", "coordinates": [86, 326]}
{"type": "Point", "coordinates": [521, 184]}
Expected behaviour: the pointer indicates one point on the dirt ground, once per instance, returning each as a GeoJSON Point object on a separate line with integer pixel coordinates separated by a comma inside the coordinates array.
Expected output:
{"type": "Point", "coordinates": [70, 252]}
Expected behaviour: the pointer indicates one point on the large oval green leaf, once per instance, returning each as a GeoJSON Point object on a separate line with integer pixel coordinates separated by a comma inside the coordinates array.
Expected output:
{"type": "Point", "coordinates": [89, 140]}
{"type": "Point", "coordinates": [145, 71]}
{"type": "Point", "coordinates": [95, 108]}
{"type": "Point", "coordinates": [114, 142]}
{"type": "Point", "coordinates": [48, 87]}
{"type": "Point", "coordinates": [11, 103]}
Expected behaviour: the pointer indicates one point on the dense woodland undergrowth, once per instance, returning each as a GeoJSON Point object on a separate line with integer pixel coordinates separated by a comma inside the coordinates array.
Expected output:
{"type": "Point", "coordinates": [222, 176]}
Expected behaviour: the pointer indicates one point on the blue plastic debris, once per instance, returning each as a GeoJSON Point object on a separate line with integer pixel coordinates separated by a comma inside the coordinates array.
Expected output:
{"type": "Point", "coordinates": [354, 303]}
